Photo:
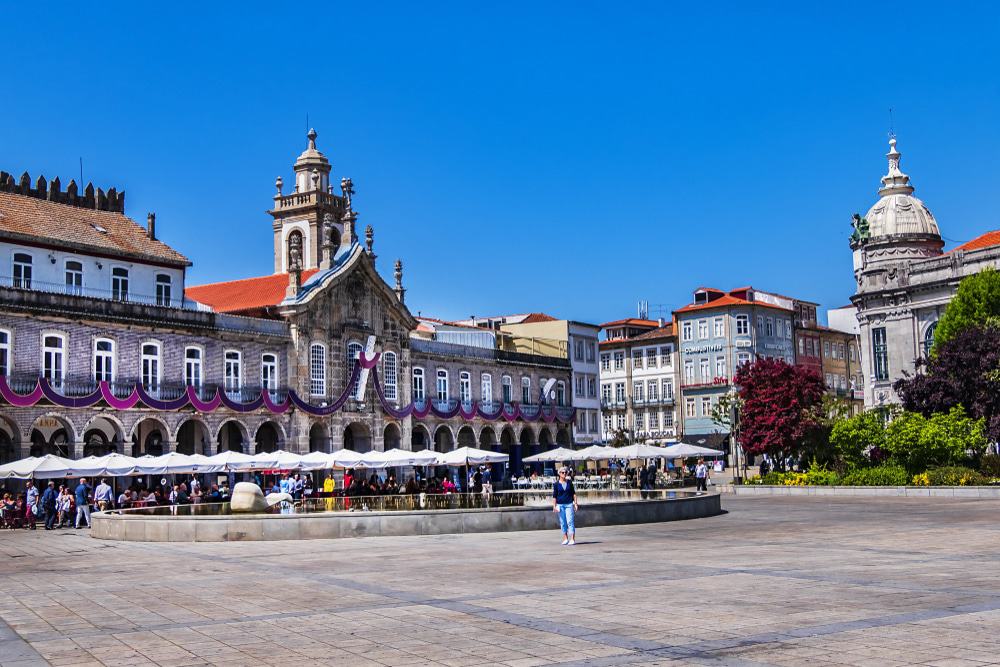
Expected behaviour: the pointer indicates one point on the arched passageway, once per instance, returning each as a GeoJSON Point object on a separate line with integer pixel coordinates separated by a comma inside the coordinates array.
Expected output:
{"type": "Point", "coordinates": [193, 438]}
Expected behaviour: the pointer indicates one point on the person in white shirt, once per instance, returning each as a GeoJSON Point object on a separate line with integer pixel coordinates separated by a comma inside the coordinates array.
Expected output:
{"type": "Point", "coordinates": [701, 475]}
{"type": "Point", "coordinates": [104, 496]}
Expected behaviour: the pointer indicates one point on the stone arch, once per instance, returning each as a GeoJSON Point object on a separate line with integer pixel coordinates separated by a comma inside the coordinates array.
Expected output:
{"type": "Point", "coordinates": [466, 436]}
{"type": "Point", "coordinates": [487, 438]}
{"type": "Point", "coordinates": [420, 438]}
{"type": "Point", "coordinates": [392, 437]}
{"type": "Point", "coordinates": [444, 439]}
{"type": "Point", "coordinates": [563, 438]}
{"type": "Point", "coordinates": [319, 438]}
{"type": "Point", "coordinates": [269, 437]}
{"type": "Point", "coordinates": [150, 436]}
{"type": "Point", "coordinates": [52, 433]}
{"type": "Point", "coordinates": [544, 439]}
{"type": "Point", "coordinates": [232, 436]}
{"type": "Point", "coordinates": [10, 440]}
{"type": "Point", "coordinates": [103, 434]}
{"type": "Point", "coordinates": [193, 437]}
{"type": "Point", "coordinates": [526, 437]}
{"type": "Point", "coordinates": [357, 437]}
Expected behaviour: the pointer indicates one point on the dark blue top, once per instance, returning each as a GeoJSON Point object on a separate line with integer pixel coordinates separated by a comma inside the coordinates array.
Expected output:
{"type": "Point", "coordinates": [49, 497]}
{"type": "Point", "coordinates": [82, 493]}
{"type": "Point", "coordinates": [563, 496]}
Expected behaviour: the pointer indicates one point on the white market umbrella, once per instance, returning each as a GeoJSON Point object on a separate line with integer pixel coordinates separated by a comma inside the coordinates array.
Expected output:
{"type": "Point", "coordinates": [347, 458]}
{"type": "Point", "coordinates": [288, 460]}
{"type": "Point", "coordinates": [231, 461]}
{"type": "Point", "coordinates": [404, 457]}
{"type": "Point", "coordinates": [43, 467]}
{"type": "Point", "coordinates": [111, 465]}
{"type": "Point", "coordinates": [640, 451]}
{"type": "Point", "coordinates": [7, 469]}
{"type": "Point", "coordinates": [553, 455]}
{"type": "Point", "coordinates": [682, 450]}
{"type": "Point", "coordinates": [464, 456]}
{"type": "Point", "coordinates": [172, 463]}
{"type": "Point", "coordinates": [595, 453]}
{"type": "Point", "coordinates": [276, 460]}
{"type": "Point", "coordinates": [316, 461]}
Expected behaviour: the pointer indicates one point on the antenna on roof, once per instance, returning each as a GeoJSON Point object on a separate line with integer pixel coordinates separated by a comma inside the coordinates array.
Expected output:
{"type": "Point", "coordinates": [307, 121]}
{"type": "Point", "coordinates": [892, 130]}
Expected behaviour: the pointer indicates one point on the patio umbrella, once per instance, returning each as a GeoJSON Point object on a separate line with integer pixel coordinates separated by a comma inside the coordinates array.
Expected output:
{"type": "Point", "coordinates": [7, 469]}
{"type": "Point", "coordinates": [640, 451]}
{"type": "Point", "coordinates": [172, 463]}
{"type": "Point", "coordinates": [316, 461]}
{"type": "Point", "coordinates": [682, 450]}
{"type": "Point", "coordinates": [553, 455]}
{"type": "Point", "coordinates": [231, 461]}
{"type": "Point", "coordinates": [466, 456]}
{"type": "Point", "coordinates": [346, 458]}
{"type": "Point", "coordinates": [112, 465]}
{"type": "Point", "coordinates": [43, 467]}
{"type": "Point", "coordinates": [404, 457]}
{"type": "Point", "coordinates": [595, 453]}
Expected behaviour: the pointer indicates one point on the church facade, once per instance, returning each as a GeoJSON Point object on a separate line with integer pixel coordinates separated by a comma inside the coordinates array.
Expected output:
{"type": "Point", "coordinates": [103, 345]}
{"type": "Point", "coordinates": [905, 280]}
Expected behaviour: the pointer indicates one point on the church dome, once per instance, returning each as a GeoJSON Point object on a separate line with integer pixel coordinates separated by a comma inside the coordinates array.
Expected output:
{"type": "Point", "coordinates": [311, 156]}
{"type": "Point", "coordinates": [898, 211]}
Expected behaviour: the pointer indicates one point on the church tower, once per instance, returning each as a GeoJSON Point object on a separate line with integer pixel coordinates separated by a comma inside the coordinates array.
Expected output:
{"type": "Point", "coordinates": [309, 221]}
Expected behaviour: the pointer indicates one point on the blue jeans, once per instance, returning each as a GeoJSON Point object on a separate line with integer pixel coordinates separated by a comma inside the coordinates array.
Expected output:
{"type": "Point", "coordinates": [566, 518]}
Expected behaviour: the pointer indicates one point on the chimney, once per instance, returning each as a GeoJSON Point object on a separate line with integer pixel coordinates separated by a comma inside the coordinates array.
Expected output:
{"type": "Point", "coordinates": [659, 322]}
{"type": "Point", "coordinates": [151, 225]}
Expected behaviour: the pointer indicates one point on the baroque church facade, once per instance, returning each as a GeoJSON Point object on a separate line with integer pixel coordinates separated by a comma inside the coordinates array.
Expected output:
{"type": "Point", "coordinates": [905, 280]}
{"type": "Point", "coordinates": [103, 346]}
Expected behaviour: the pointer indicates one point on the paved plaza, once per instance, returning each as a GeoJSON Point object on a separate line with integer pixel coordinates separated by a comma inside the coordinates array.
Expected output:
{"type": "Point", "coordinates": [775, 581]}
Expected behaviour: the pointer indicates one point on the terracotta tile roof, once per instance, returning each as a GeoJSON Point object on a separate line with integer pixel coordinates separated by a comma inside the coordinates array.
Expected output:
{"type": "Point", "coordinates": [632, 321]}
{"type": "Point", "coordinates": [537, 317]}
{"type": "Point", "coordinates": [987, 240]}
{"type": "Point", "coordinates": [665, 331]}
{"type": "Point", "coordinates": [727, 301]}
{"type": "Point", "coordinates": [248, 294]}
{"type": "Point", "coordinates": [102, 232]}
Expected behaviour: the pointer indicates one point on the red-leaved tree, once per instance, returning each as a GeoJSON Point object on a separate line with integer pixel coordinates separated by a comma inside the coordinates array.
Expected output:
{"type": "Point", "coordinates": [781, 405]}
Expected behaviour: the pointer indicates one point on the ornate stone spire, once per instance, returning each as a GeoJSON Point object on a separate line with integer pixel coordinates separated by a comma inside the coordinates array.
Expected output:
{"type": "Point", "coordinates": [370, 240]}
{"type": "Point", "coordinates": [895, 182]}
{"type": "Point", "coordinates": [312, 169]}
{"type": "Point", "coordinates": [400, 292]}
{"type": "Point", "coordinates": [328, 249]}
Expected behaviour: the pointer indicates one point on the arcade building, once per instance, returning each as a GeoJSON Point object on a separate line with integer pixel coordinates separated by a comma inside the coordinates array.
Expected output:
{"type": "Point", "coordinates": [105, 347]}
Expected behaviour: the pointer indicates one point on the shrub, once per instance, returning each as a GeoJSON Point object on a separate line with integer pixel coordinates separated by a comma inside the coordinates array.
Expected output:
{"type": "Point", "coordinates": [919, 442]}
{"type": "Point", "coordinates": [989, 465]}
{"type": "Point", "coordinates": [773, 478]}
{"type": "Point", "coordinates": [923, 479]}
{"type": "Point", "coordinates": [886, 475]}
{"type": "Point", "coordinates": [955, 476]}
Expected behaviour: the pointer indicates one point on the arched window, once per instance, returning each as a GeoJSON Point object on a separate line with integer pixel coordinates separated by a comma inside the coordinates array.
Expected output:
{"type": "Point", "coordinates": [269, 372]}
{"type": "Point", "coordinates": [193, 357]}
{"type": "Point", "coordinates": [54, 358]}
{"type": "Point", "coordinates": [418, 385]}
{"type": "Point", "coordinates": [929, 339]}
{"type": "Point", "coordinates": [317, 369]}
{"type": "Point", "coordinates": [150, 363]}
{"type": "Point", "coordinates": [506, 389]}
{"type": "Point", "coordinates": [353, 354]}
{"type": "Point", "coordinates": [486, 388]}
{"type": "Point", "coordinates": [104, 360]}
{"type": "Point", "coordinates": [162, 289]}
{"type": "Point", "coordinates": [233, 372]}
{"type": "Point", "coordinates": [389, 375]}
{"type": "Point", "coordinates": [526, 390]}
{"type": "Point", "coordinates": [561, 393]}
{"type": "Point", "coordinates": [5, 356]}
{"type": "Point", "coordinates": [119, 284]}
{"type": "Point", "coordinates": [74, 277]}
{"type": "Point", "coordinates": [465, 387]}
{"type": "Point", "coordinates": [22, 270]}
{"type": "Point", "coordinates": [442, 385]}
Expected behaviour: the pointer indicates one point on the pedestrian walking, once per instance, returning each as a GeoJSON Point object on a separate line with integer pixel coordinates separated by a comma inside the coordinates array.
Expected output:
{"type": "Point", "coordinates": [83, 497]}
{"type": "Point", "coordinates": [49, 505]}
{"type": "Point", "coordinates": [701, 476]}
{"type": "Point", "coordinates": [30, 505]}
{"type": "Point", "coordinates": [564, 503]}
{"type": "Point", "coordinates": [104, 496]}
{"type": "Point", "coordinates": [487, 481]}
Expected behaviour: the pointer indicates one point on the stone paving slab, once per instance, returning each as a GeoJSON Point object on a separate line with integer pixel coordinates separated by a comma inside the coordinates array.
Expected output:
{"type": "Point", "coordinates": [815, 581]}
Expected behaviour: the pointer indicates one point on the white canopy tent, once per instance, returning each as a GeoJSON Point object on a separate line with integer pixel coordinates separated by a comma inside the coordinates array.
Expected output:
{"type": "Point", "coordinates": [464, 456]}
{"type": "Point", "coordinates": [404, 457]}
{"type": "Point", "coordinates": [554, 456]}
{"type": "Point", "coordinates": [640, 451]}
{"type": "Point", "coordinates": [113, 465]}
{"type": "Point", "coordinates": [346, 458]}
{"type": "Point", "coordinates": [595, 453]}
{"type": "Point", "coordinates": [42, 467]}
{"type": "Point", "coordinates": [230, 461]}
{"type": "Point", "coordinates": [682, 450]}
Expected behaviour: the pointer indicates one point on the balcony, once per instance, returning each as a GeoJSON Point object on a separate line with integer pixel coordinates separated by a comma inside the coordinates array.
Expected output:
{"type": "Point", "coordinates": [173, 300]}
{"type": "Point", "coordinates": [76, 386]}
{"type": "Point", "coordinates": [613, 404]}
{"type": "Point", "coordinates": [714, 382]}
{"type": "Point", "coordinates": [485, 353]}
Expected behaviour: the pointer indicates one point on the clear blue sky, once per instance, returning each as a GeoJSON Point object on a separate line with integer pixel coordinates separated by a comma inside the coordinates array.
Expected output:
{"type": "Point", "coordinates": [571, 158]}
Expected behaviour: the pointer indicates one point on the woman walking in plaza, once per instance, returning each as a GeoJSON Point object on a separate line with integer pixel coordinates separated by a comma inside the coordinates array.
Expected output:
{"type": "Point", "coordinates": [564, 503]}
{"type": "Point", "coordinates": [701, 475]}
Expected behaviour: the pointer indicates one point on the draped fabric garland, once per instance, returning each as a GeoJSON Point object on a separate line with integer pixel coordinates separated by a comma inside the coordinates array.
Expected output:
{"type": "Point", "coordinates": [45, 391]}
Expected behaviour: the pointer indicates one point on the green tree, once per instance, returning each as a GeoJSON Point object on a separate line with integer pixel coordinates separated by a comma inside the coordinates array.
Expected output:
{"type": "Point", "coordinates": [976, 303]}
{"type": "Point", "coordinates": [919, 442]}
{"type": "Point", "coordinates": [854, 438]}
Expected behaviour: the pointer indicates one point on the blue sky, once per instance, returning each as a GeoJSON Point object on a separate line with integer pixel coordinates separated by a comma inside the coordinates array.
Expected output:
{"type": "Point", "coordinates": [566, 157]}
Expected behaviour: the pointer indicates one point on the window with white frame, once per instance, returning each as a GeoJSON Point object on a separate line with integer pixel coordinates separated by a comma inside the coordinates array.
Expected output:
{"type": "Point", "coordinates": [607, 423]}
{"type": "Point", "coordinates": [769, 323]}
{"type": "Point", "coordinates": [581, 421]}
{"type": "Point", "coordinates": [704, 368]}
{"type": "Point", "coordinates": [5, 355]}
{"type": "Point", "coordinates": [719, 327]}
{"type": "Point", "coordinates": [390, 376]}
{"type": "Point", "coordinates": [418, 385]}
{"type": "Point", "coordinates": [653, 390]}
{"type": "Point", "coordinates": [507, 389]}
{"type": "Point", "coordinates": [686, 331]}
{"type": "Point", "coordinates": [840, 350]}
{"type": "Point", "coordinates": [742, 325]}
{"type": "Point", "coordinates": [591, 352]}
{"type": "Point", "coordinates": [619, 392]}
{"type": "Point", "coordinates": [465, 387]}
{"type": "Point", "coordinates": [150, 365]}
{"type": "Point", "coordinates": [620, 420]}
{"type": "Point", "coordinates": [702, 329]}
{"type": "Point", "coordinates": [689, 408]}
{"type": "Point", "coordinates": [193, 366]}
{"type": "Point", "coordinates": [54, 358]}
{"type": "Point", "coordinates": [578, 349]}
{"type": "Point", "coordinates": [560, 393]}
{"type": "Point", "coordinates": [526, 390]}
{"type": "Point", "coordinates": [619, 360]}
{"type": "Point", "coordinates": [593, 421]}
{"type": "Point", "coordinates": [606, 393]}
{"type": "Point", "coordinates": [22, 270]}
{"type": "Point", "coordinates": [640, 422]}
{"type": "Point", "coordinates": [654, 420]}
{"type": "Point", "coordinates": [442, 385]}
{"type": "Point", "coordinates": [720, 367]}
{"type": "Point", "coordinates": [668, 389]}
{"type": "Point", "coordinates": [637, 359]}
{"type": "Point", "coordinates": [668, 418]}
{"type": "Point", "coordinates": [852, 353]}
{"type": "Point", "coordinates": [802, 346]}
{"type": "Point", "coordinates": [269, 371]}
{"type": "Point", "coordinates": [353, 354]}
{"type": "Point", "coordinates": [651, 358]}
{"type": "Point", "coordinates": [74, 277]}
{"type": "Point", "coordinates": [104, 360]}
{"type": "Point", "coordinates": [742, 358]}
{"type": "Point", "coordinates": [232, 376]}
{"type": "Point", "coordinates": [579, 386]}
{"type": "Point", "coordinates": [317, 369]}
{"type": "Point", "coordinates": [826, 349]}
{"type": "Point", "coordinates": [706, 406]}
{"type": "Point", "coordinates": [605, 362]}
{"type": "Point", "coordinates": [637, 393]}
{"type": "Point", "coordinates": [665, 356]}
{"type": "Point", "coordinates": [486, 388]}
{"type": "Point", "coordinates": [119, 283]}
{"type": "Point", "coordinates": [592, 387]}
{"type": "Point", "coordinates": [760, 325]}
{"type": "Point", "coordinates": [163, 289]}
{"type": "Point", "coordinates": [689, 371]}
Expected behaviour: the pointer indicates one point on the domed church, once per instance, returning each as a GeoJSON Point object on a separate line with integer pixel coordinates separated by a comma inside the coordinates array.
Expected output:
{"type": "Point", "coordinates": [905, 280]}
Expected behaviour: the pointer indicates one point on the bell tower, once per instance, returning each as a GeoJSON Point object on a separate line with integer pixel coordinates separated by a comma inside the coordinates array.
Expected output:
{"type": "Point", "coordinates": [310, 217]}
